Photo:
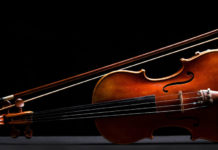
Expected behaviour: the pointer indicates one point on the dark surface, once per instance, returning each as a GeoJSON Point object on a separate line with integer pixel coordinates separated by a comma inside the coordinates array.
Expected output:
{"type": "Point", "coordinates": [39, 48]}
{"type": "Point", "coordinates": [96, 142]}
{"type": "Point", "coordinates": [114, 147]}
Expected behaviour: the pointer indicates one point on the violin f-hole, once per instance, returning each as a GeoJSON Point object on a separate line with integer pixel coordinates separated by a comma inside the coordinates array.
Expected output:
{"type": "Point", "coordinates": [189, 73]}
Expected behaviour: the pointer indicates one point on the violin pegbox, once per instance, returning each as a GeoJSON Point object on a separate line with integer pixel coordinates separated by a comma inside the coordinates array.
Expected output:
{"type": "Point", "coordinates": [17, 121]}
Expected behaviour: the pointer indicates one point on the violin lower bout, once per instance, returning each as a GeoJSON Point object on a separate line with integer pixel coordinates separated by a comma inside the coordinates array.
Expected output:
{"type": "Point", "coordinates": [129, 129]}
{"type": "Point", "coordinates": [201, 123]}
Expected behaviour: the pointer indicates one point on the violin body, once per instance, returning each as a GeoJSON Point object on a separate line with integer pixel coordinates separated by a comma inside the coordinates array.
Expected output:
{"type": "Point", "coordinates": [197, 72]}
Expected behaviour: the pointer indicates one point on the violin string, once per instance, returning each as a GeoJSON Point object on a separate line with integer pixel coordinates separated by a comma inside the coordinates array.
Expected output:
{"type": "Point", "coordinates": [107, 107]}
{"type": "Point", "coordinates": [127, 67]}
{"type": "Point", "coordinates": [130, 114]}
{"type": "Point", "coordinates": [91, 112]}
{"type": "Point", "coordinates": [115, 111]}
{"type": "Point", "coordinates": [117, 115]}
{"type": "Point", "coordinates": [103, 103]}
{"type": "Point", "coordinates": [110, 102]}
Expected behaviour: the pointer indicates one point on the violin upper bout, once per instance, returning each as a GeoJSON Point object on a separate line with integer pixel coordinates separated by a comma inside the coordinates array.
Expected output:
{"type": "Point", "coordinates": [198, 54]}
{"type": "Point", "coordinates": [165, 78]}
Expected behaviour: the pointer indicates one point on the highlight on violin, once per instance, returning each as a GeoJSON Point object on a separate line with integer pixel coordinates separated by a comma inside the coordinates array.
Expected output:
{"type": "Point", "coordinates": [129, 105]}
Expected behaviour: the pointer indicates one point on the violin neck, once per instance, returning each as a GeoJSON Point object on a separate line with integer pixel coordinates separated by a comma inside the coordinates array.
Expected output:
{"type": "Point", "coordinates": [145, 105]}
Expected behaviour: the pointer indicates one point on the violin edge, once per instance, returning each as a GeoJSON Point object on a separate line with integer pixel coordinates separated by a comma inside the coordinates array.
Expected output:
{"type": "Point", "coordinates": [143, 71]}
{"type": "Point", "coordinates": [198, 54]}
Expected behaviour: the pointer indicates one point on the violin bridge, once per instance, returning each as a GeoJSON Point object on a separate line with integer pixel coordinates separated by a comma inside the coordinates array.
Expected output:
{"type": "Point", "coordinates": [181, 101]}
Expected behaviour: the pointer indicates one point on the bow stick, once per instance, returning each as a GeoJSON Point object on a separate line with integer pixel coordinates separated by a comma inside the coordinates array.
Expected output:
{"type": "Point", "coordinates": [104, 68]}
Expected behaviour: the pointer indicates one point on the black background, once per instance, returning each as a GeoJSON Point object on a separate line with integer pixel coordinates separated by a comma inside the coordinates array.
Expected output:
{"type": "Point", "coordinates": [42, 47]}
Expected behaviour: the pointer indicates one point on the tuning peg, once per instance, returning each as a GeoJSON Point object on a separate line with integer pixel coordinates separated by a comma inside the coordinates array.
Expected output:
{"type": "Point", "coordinates": [28, 132]}
{"type": "Point", "coordinates": [19, 103]}
{"type": "Point", "coordinates": [14, 132]}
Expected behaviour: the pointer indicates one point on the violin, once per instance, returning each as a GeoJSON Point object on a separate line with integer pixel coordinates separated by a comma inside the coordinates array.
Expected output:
{"type": "Point", "coordinates": [129, 105]}
{"type": "Point", "coordinates": [143, 104]}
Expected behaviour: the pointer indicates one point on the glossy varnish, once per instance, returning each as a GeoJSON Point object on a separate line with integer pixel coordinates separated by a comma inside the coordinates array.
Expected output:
{"type": "Point", "coordinates": [198, 72]}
